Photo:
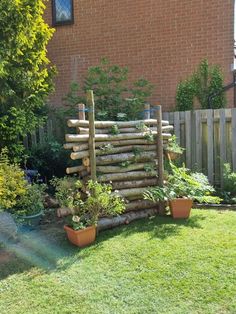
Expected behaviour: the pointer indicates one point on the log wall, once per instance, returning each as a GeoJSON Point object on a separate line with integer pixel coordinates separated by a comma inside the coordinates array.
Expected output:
{"type": "Point", "coordinates": [124, 152]}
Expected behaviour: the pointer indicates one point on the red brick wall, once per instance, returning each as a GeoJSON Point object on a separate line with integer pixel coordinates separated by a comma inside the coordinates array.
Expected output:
{"type": "Point", "coordinates": [161, 40]}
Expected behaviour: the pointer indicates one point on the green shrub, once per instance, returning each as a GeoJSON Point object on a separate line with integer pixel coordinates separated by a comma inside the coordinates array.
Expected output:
{"type": "Point", "coordinates": [88, 201]}
{"type": "Point", "coordinates": [49, 158]}
{"type": "Point", "coordinates": [115, 99]}
{"type": "Point", "coordinates": [185, 95]}
{"type": "Point", "coordinates": [182, 183]}
{"type": "Point", "coordinates": [229, 180]}
{"type": "Point", "coordinates": [25, 73]}
{"type": "Point", "coordinates": [209, 80]}
{"type": "Point", "coordinates": [12, 183]}
{"type": "Point", "coordinates": [32, 202]}
{"type": "Point", "coordinates": [205, 82]}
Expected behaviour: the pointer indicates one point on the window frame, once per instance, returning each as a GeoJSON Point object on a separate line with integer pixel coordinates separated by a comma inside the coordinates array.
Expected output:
{"type": "Point", "coordinates": [61, 23]}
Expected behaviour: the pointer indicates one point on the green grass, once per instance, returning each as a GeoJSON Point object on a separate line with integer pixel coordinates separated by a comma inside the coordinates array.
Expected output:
{"type": "Point", "coordinates": [151, 266]}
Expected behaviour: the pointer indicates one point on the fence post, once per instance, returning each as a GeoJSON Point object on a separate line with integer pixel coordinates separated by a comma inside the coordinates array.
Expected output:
{"type": "Point", "coordinates": [147, 113]}
{"type": "Point", "coordinates": [91, 115]}
{"type": "Point", "coordinates": [81, 110]}
{"type": "Point", "coordinates": [159, 143]}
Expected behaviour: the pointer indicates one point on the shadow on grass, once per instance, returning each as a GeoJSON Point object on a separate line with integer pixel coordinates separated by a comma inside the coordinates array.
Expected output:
{"type": "Point", "coordinates": [49, 250]}
{"type": "Point", "coordinates": [157, 227]}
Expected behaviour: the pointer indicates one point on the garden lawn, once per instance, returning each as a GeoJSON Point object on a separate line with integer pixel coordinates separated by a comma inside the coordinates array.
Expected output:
{"type": "Point", "coordinates": [154, 265]}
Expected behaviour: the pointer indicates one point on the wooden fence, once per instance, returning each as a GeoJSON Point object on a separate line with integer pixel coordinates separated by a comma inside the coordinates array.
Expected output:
{"type": "Point", "coordinates": [209, 139]}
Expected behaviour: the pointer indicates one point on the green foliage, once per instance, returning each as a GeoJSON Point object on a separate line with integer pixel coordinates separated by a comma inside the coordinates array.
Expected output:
{"type": "Point", "coordinates": [12, 183]}
{"type": "Point", "coordinates": [114, 98]}
{"type": "Point", "coordinates": [182, 183]}
{"type": "Point", "coordinates": [114, 130]}
{"type": "Point", "coordinates": [25, 74]}
{"type": "Point", "coordinates": [173, 146]}
{"type": "Point", "coordinates": [31, 202]}
{"type": "Point", "coordinates": [89, 201]}
{"type": "Point", "coordinates": [185, 95]}
{"type": "Point", "coordinates": [206, 81]}
{"type": "Point", "coordinates": [209, 80]}
{"type": "Point", "coordinates": [49, 158]}
{"type": "Point", "coordinates": [229, 184]}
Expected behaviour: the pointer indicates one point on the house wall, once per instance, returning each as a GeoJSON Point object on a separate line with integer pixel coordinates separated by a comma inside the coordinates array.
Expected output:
{"type": "Point", "coordinates": [160, 40]}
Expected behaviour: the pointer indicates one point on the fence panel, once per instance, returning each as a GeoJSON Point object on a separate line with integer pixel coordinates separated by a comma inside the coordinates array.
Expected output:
{"type": "Point", "coordinates": [209, 139]}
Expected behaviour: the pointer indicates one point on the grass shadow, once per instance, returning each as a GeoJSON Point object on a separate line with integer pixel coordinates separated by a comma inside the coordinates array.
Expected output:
{"type": "Point", "coordinates": [159, 227]}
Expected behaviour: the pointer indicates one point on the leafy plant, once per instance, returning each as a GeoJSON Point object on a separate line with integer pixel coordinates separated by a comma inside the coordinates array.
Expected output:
{"type": "Point", "coordinates": [141, 127]}
{"type": "Point", "coordinates": [88, 201]}
{"type": "Point", "coordinates": [229, 184]}
{"type": "Point", "coordinates": [208, 81]}
{"type": "Point", "coordinates": [149, 167]}
{"type": "Point", "coordinates": [12, 183]}
{"type": "Point", "coordinates": [182, 183]}
{"type": "Point", "coordinates": [25, 73]}
{"type": "Point", "coordinates": [114, 130]}
{"type": "Point", "coordinates": [205, 82]}
{"type": "Point", "coordinates": [49, 158]}
{"type": "Point", "coordinates": [148, 136]}
{"type": "Point", "coordinates": [31, 202]}
{"type": "Point", "coordinates": [115, 98]}
{"type": "Point", "coordinates": [186, 91]}
{"type": "Point", "coordinates": [173, 146]}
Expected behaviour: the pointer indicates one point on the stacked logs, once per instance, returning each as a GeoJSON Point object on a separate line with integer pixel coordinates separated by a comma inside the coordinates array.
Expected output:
{"type": "Point", "coordinates": [126, 155]}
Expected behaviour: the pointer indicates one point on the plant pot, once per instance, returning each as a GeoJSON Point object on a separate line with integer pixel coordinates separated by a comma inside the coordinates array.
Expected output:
{"type": "Point", "coordinates": [172, 155]}
{"type": "Point", "coordinates": [30, 220]}
{"type": "Point", "coordinates": [81, 237]}
{"type": "Point", "coordinates": [180, 207]}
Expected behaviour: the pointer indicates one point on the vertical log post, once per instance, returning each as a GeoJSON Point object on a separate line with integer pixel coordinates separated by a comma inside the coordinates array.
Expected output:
{"type": "Point", "coordinates": [81, 111]}
{"type": "Point", "coordinates": [91, 115]}
{"type": "Point", "coordinates": [147, 113]}
{"type": "Point", "coordinates": [160, 155]}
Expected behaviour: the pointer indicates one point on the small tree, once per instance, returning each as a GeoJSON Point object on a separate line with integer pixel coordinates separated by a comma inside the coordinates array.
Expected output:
{"type": "Point", "coordinates": [115, 98]}
{"type": "Point", "coordinates": [205, 82]}
{"type": "Point", "coordinates": [208, 80]}
{"type": "Point", "coordinates": [25, 74]}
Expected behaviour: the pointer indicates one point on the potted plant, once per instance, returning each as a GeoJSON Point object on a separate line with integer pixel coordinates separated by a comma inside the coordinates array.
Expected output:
{"type": "Point", "coordinates": [173, 150]}
{"type": "Point", "coordinates": [86, 202]}
{"type": "Point", "coordinates": [181, 188]}
{"type": "Point", "coordinates": [29, 207]}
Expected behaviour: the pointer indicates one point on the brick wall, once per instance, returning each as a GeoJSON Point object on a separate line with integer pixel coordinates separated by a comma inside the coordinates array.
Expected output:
{"type": "Point", "coordinates": [161, 40]}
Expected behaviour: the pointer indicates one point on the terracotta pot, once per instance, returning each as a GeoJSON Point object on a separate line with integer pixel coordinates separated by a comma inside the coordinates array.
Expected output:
{"type": "Point", "coordinates": [172, 155]}
{"type": "Point", "coordinates": [81, 237]}
{"type": "Point", "coordinates": [180, 207]}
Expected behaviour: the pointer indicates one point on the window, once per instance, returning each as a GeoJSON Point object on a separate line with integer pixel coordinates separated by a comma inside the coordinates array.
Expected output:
{"type": "Point", "coordinates": [62, 12]}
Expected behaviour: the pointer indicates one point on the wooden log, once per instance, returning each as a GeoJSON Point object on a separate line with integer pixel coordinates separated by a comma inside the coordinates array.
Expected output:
{"type": "Point", "coordinates": [81, 111]}
{"type": "Point", "coordinates": [86, 161]}
{"type": "Point", "coordinates": [100, 152]}
{"type": "Point", "coordinates": [107, 223]}
{"type": "Point", "coordinates": [76, 169]}
{"type": "Point", "coordinates": [68, 145]}
{"type": "Point", "coordinates": [109, 137]}
{"type": "Point", "coordinates": [119, 169]}
{"type": "Point", "coordinates": [112, 159]}
{"type": "Point", "coordinates": [92, 152]}
{"type": "Point", "coordinates": [133, 175]}
{"type": "Point", "coordinates": [134, 184]}
{"type": "Point", "coordinates": [139, 205]}
{"type": "Point", "coordinates": [160, 168]}
{"type": "Point", "coordinates": [130, 192]}
{"type": "Point", "coordinates": [81, 146]}
{"type": "Point", "coordinates": [108, 124]}
{"type": "Point", "coordinates": [166, 128]}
